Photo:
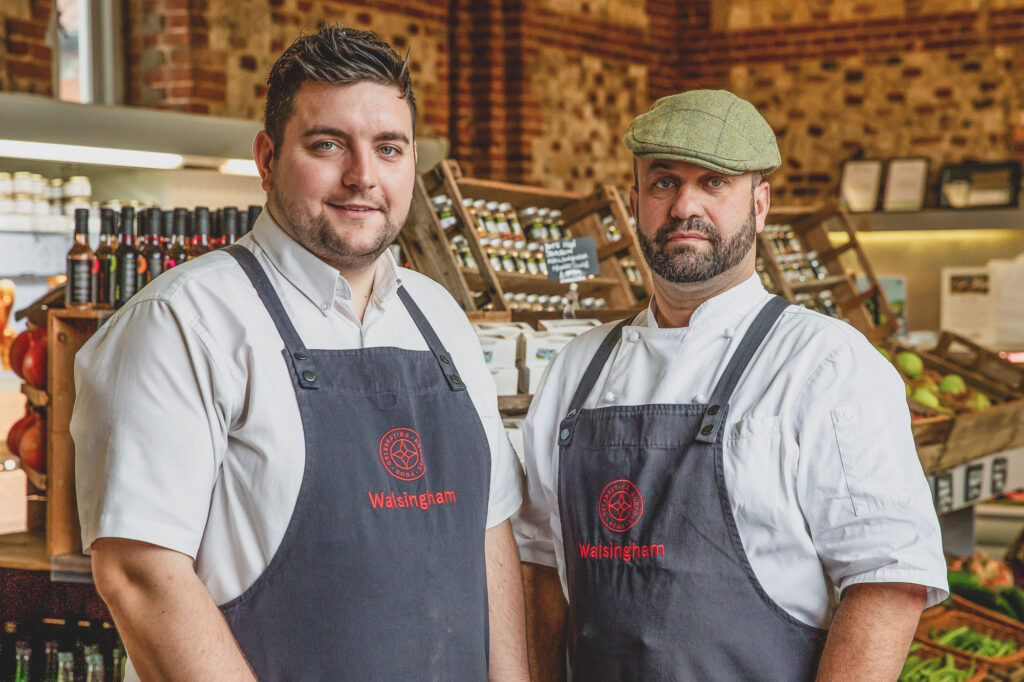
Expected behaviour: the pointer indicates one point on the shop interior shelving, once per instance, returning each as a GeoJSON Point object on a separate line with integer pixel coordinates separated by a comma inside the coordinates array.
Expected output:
{"type": "Point", "coordinates": [811, 226]}
{"type": "Point", "coordinates": [427, 245]}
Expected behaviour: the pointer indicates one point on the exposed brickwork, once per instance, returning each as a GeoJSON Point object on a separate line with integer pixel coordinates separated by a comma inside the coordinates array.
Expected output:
{"type": "Point", "coordinates": [542, 90]}
{"type": "Point", "coordinates": [26, 60]}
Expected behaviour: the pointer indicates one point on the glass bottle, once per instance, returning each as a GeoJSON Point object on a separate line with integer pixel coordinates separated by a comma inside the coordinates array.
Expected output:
{"type": "Point", "coordinates": [50, 669]}
{"type": "Point", "coordinates": [79, 264]}
{"type": "Point", "coordinates": [493, 257]}
{"type": "Point", "coordinates": [94, 670]}
{"type": "Point", "coordinates": [531, 259]}
{"type": "Point", "coordinates": [177, 253]}
{"type": "Point", "coordinates": [520, 257]}
{"type": "Point", "coordinates": [490, 220]}
{"type": "Point", "coordinates": [65, 667]}
{"type": "Point", "coordinates": [556, 228]}
{"type": "Point", "coordinates": [200, 233]}
{"type": "Point", "coordinates": [542, 261]}
{"type": "Point", "coordinates": [508, 263]}
{"type": "Point", "coordinates": [22, 662]}
{"type": "Point", "coordinates": [815, 265]}
{"type": "Point", "coordinates": [105, 286]}
{"type": "Point", "coordinates": [151, 253]}
{"type": "Point", "coordinates": [536, 227]}
{"type": "Point", "coordinates": [513, 221]}
{"type": "Point", "coordinates": [127, 259]}
{"type": "Point", "coordinates": [828, 305]}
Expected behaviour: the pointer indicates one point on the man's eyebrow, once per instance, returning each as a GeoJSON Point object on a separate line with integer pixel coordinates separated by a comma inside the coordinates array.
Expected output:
{"type": "Point", "coordinates": [660, 165]}
{"type": "Point", "coordinates": [333, 132]}
{"type": "Point", "coordinates": [392, 136]}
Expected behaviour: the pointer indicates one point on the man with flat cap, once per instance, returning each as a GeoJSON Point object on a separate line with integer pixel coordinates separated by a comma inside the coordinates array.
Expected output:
{"type": "Point", "coordinates": [726, 485]}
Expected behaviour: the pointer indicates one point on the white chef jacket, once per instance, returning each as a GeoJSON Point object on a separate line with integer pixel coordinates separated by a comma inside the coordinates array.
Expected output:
{"type": "Point", "coordinates": [820, 464]}
{"type": "Point", "coordinates": [186, 427]}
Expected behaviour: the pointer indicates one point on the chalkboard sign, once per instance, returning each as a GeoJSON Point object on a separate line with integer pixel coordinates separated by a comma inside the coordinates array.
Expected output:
{"type": "Point", "coordinates": [944, 492]}
{"type": "Point", "coordinates": [998, 475]}
{"type": "Point", "coordinates": [571, 260]}
{"type": "Point", "coordinates": [974, 482]}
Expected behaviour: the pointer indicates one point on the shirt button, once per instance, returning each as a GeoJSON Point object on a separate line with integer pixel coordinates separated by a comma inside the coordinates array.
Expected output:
{"type": "Point", "coordinates": [700, 398]}
{"type": "Point", "coordinates": [610, 397]}
{"type": "Point", "coordinates": [634, 337]}
{"type": "Point", "coordinates": [564, 434]}
{"type": "Point", "coordinates": [729, 332]}
{"type": "Point", "coordinates": [324, 307]}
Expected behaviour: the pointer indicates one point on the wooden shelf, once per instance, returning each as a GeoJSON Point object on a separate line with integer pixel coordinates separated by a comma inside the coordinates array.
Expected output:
{"type": "Point", "coordinates": [36, 397]}
{"type": "Point", "coordinates": [511, 405]}
{"type": "Point", "coordinates": [25, 551]}
{"type": "Point", "coordinates": [816, 284]}
{"type": "Point", "coordinates": [539, 284]}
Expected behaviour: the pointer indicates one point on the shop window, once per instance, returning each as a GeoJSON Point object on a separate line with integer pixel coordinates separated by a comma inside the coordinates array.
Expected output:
{"type": "Point", "coordinates": [88, 61]}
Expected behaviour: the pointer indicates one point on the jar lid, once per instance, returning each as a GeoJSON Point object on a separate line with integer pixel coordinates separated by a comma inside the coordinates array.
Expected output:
{"type": "Point", "coordinates": [22, 174]}
{"type": "Point", "coordinates": [78, 178]}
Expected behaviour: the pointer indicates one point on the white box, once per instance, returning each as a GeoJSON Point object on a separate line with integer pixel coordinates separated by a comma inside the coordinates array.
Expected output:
{"type": "Point", "coordinates": [505, 380]}
{"type": "Point", "coordinates": [514, 431]}
{"type": "Point", "coordinates": [569, 324]}
{"type": "Point", "coordinates": [14, 501]}
{"type": "Point", "coordinates": [502, 326]}
{"type": "Point", "coordinates": [499, 349]}
{"type": "Point", "coordinates": [529, 377]}
{"type": "Point", "coordinates": [541, 347]}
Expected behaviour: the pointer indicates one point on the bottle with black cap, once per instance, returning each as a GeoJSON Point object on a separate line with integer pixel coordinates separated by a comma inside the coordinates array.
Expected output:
{"type": "Point", "coordinates": [79, 261]}
{"type": "Point", "coordinates": [127, 256]}
{"type": "Point", "coordinates": [167, 230]}
{"type": "Point", "coordinates": [176, 251]}
{"type": "Point", "coordinates": [151, 253]}
{"type": "Point", "coordinates": [254, 213]}
{"type": "Point", "coordinates": [200, 233]}
{"type": "Point", "coordinates": [105, 282]}
{"type": "Point", "coordinates": [229, 231]}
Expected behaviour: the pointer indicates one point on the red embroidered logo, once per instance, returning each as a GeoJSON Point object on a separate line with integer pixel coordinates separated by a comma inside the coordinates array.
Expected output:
{"type": "Point", "coordinates": [402, 454]}
{"type": "Point", "coordinates": [620, 506]}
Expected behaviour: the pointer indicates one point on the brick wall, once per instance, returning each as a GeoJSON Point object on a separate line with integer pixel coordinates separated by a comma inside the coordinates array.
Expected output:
{"type": "Point", "coordinates": [25, 56]}
{"type": "Point", "coordinates": [542, 90]}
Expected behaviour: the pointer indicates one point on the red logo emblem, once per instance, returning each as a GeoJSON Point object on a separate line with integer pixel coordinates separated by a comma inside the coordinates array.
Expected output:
{"type": "Point", "coordinates": [620, 506]}
{"type": "Point", "coordinates": [402, 454]}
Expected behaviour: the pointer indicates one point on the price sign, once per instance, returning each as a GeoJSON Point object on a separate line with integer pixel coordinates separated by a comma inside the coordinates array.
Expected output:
{"type": "Point", "coordinates": [943, 492]}
{"type": "Point", "coordinates": [974, 482]}
{"type": "Point", "coordinates": [998, 475]}
{"type": "Point", "coordinates": [571, 260]}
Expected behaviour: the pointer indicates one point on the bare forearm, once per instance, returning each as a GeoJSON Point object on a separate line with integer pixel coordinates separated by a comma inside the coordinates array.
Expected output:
{"type": "Point", "coordinates": [545, 622]}
{"type": "Point", "coordinates": [871, 632]}
{"type": "Point", "coordinates": [171, 627]}
{"type": "Point", "coordinates": [505, 606]}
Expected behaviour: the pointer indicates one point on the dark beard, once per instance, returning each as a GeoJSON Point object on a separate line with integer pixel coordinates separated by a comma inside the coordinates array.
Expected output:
{"type": "Point", "coordinates": [691, 262]}
{"type": "Point", "coordinates": [315, 233]}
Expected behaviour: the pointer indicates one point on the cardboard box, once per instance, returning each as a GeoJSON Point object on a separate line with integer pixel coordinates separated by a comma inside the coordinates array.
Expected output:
{"type": "Point", "coordinates": [529, 377]}
{"type": "Point", "coordinates": [570, 324]}
{"type": "Point", "coordinates": [502, 326]}
{"type": "Point", "coordinates": [13, 502]}
{"type": "Point", "coordinates": [505, 379]}
{"type": "Point", "coordinates": [541, 347]}
{"type": "Point", "coordinates": [499, 348]}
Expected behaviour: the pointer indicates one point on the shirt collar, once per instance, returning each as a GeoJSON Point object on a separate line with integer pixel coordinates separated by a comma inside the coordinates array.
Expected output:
{"type": "Point", "coordinates": [721, 310]}
{"type": "Point", "coordinates": [318, 281]}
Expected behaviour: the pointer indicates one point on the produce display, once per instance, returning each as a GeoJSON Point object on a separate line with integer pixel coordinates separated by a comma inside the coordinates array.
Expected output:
{"type": "Point", "coordinates": [972, 641]}
{"type": "Point", "coordinates": [28, 356]}
{"type": "Point", "coordinates": [988, 583]}
{"type": "Point", "coordinates": [27, 439]}
{"type": "Point", "coordinates": [925, 668]}
{"type": "Point", "coordinates": [946, 393]}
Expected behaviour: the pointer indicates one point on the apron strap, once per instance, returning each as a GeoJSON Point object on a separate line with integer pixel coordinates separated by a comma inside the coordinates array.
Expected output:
{"type": "Point", "coordinates": [752, 340]}
{"type": "Point", "coordinates": [443, 357]}
{"type": "Point", "coordinates": [295, 352]}
{"type": "Point", "coordinates": [586, 384]}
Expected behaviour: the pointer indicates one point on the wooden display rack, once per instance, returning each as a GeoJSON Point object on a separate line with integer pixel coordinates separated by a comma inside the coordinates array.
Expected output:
{"type": "Point", "coordinates": [809, 225]}
{"type": "Point", "coordinates": [67, 332]}
{"type": "Point", "coordinates": [426, 244]}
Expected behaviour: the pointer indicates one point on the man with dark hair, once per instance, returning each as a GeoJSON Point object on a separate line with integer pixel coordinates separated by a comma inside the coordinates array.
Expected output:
{"type": "Point", "coordinates": [724, 487]}
{"type": "Point", "coordinates": [312, 480]}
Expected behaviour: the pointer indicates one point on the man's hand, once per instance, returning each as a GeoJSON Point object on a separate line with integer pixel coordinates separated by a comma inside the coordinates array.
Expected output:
{"type": "Point", "coordinates": [546, 612]}
{"type": "Point", "coordinates": [505, 606]}
{"type": "Point", "coordinates": [170, 625]}
{"type": "Point", "coordinates": [871, 631]}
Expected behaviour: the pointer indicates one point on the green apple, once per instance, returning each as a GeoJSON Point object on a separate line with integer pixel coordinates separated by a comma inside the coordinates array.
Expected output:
{"type": "Point", "coordinates": [926, 397]}
{"type": "Point", "coordinates": [910, 364]}
{"type": "Point", "coordinates": [978, 402]}
{"type": "Point", "coordinates": [952, 383]}
{"type": "Point", "coordinates": [885, 353]}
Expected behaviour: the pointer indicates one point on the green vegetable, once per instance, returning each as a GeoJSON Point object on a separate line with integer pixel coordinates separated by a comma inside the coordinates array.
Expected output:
{"type": "Point", "coordinates": [933, 669]}
{"type": "Point", "coordinates": [1014, 596]}
{"type": "Point", "coordinates": [962, 578]}
{"type": "Point", "coordinates": [982, 596]}
{"type": "Point", "coordinates": [966, 639]}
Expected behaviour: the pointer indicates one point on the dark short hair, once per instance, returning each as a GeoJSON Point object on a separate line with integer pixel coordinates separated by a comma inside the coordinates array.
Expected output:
{"type": "Point", "coordinates": [336, 56]}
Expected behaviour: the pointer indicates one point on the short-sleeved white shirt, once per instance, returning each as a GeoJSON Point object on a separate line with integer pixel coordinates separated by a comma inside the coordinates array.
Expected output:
{"type": "Point", "coordinates": [186, 426]}
{"type": "Point", "coordinates": [819, 458]}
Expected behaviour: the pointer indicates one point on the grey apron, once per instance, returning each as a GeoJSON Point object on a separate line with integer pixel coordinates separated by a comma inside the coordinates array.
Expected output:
{"type": "Point", "coordinates": [381, 573]}
{"type": "Point", "coordinates": [659, 585]}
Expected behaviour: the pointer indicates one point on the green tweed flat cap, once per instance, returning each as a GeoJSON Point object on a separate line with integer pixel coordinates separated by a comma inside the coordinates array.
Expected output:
{"type": "Point", "coordinates": [711, 128]}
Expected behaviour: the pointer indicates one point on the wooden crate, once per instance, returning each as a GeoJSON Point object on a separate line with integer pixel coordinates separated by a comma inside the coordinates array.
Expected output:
{"type": "Point", "coordinates": [67, 331]}
{"type": "Point", "coordinates": [427, 247]}
{"type": "Point", "coordinates": [981, 364]}
{"type": "Point", "coordinates": [810, 227]}
{"type": "Point", "coordinates": [954, 618]}
{"type": "Point", "coordinates": [925, 648]}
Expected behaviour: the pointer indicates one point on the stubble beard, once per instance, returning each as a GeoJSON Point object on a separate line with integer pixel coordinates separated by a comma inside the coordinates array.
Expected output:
{"type": "Point", "coordinates": [314, 232]}
{"type": "Point", "coordinates": [691, 262]}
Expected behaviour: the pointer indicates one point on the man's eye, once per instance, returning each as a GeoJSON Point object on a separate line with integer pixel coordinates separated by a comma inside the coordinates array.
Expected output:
{"type": "Point", "coordinates": [390, 150]}
{"type": "Point", "coordinates": [716, 182]}
{"type": "Point", "coordinates": [325, 146]}
{"type": "Point", "coordinates": [663, 183]}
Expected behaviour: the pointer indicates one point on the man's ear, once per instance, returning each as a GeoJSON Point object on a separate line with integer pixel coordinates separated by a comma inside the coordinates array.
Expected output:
{"type": "Point", "coordinates": [762, 202]}
{"type": "Point", "coordinates": [263, 153]}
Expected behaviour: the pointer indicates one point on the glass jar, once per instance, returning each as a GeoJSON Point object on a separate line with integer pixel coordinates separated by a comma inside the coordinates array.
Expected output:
{"type": "Point", "coordinates": [611, 228]}
{"type": "Point", "coordinates": [816, 267]}
{"type": "Point", "coordinates": [537, 227]}
{"type": "Point", "coordinates": [24, 204]}
{"type": "Point", "coordinates": [493, 257]}
{"type": "Point", "coordinates": [467, 255]}
{"type": "Point", "coordinates": [532, 304]}
{"type": "Point", "coordinates": [555, 226]}
{"type": "Point", "coordinates": [508, 263]}
{"type": "Point", "coordinates": [41, 205]}
{"type": "Point", "coordinates": [521, 255]}
{"type": "Point", "coordinates": [500, 220]}
{"type": "Point", "coordinates": [531, 259]}
{"type": "Point", "coordinates": [828, 305]}
{"type": "Point", "coordinates": [77, 186]}
{"type": "Point", "coordinates": [445, 211]}
{"type": "Point", "coordinates": [6, 204]}
{"type": "Point", "coordinates": [6, 184]}
{"type": "Point", "coordinates": [542, 261]}
{"type": "Point", "coordinates": [490, 222]}
{"type": "Point", "coordinates": [22, 183]}
{"type": "Point", "coordinates": [513, 220]}
{"type": "Point", "coordinates": [520, 300]}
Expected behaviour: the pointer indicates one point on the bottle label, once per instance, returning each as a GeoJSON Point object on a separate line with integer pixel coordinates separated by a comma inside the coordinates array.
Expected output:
{"type": "Point", "coordinates": [154, 265]}
{"type": "Point", "coordinates": [127, 278]}
{"type": "Point", "coordinates": [106, 279]}
{"type": "Point", "coordinates": [79, 281]}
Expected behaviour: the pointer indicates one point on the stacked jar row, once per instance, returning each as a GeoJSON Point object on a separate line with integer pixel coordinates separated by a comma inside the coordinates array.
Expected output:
{"type": "Point", "coordinates": [25, 193]}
